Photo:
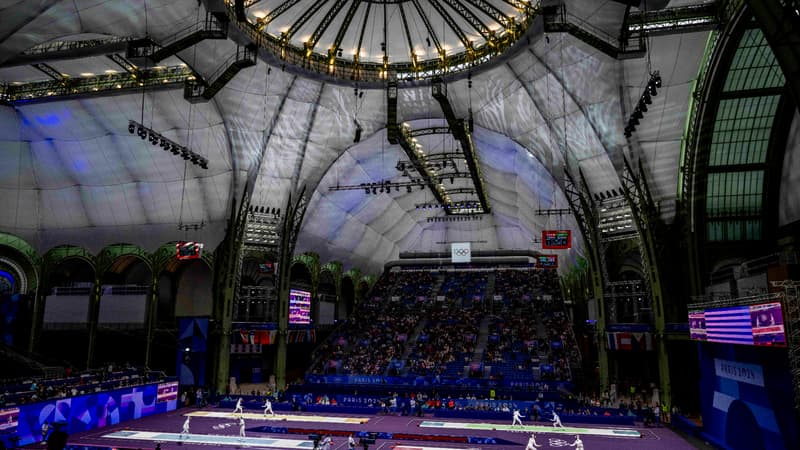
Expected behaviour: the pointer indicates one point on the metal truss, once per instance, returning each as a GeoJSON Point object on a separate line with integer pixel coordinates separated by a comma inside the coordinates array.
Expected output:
{"type": "Point", "coordinates": [791, 305]}
{"type": "Point", "coordinates": [59, 50]}
{"type": "Point", "coordinates": [460, 131]}
{"type": "Point", "coordinates": [683, 19]}
{"type": "Point", "coordinates": [377, 73]}
{"type": "Point", "coordinates": [108, 84]}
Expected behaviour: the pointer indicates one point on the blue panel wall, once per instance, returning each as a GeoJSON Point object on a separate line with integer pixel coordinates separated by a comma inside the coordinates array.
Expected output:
{"type": "Point", "coordinates": [746, 397]}
{"type": "Point", "coordinates": [88, 412]}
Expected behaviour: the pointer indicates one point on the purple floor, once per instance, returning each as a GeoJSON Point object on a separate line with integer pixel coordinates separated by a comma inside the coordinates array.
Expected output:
{"type": "Point", "coordinates": [652, 438]}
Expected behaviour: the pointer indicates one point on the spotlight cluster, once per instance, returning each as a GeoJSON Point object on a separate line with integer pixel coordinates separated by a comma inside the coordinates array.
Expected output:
{"type": "Point", "coordinates": [166, 144]}
{"type": "Point", "coordinates": [458, 218]}
{"type": "Point", "coordinates": [386, 186]}
{"type": "Point", "coordinates": [450, 205]}
{"type": "Point", "coordinates": [646, 99]}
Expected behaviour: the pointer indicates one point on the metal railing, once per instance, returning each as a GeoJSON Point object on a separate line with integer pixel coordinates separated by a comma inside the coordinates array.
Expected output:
{"type": "Point", "coordinates": [379, 72]}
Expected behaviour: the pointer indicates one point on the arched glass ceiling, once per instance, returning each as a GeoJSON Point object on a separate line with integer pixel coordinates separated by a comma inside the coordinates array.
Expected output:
{"type": "Point", "coordinates": [737, 163]}
{"type": "Point", "coordinates": [377, 39]}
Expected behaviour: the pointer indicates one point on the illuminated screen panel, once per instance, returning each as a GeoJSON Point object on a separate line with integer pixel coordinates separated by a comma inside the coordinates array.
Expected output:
{"type": "Point", "coordinates": [299, 307]}
{"type": "Point", "coordinates": [547, 261]}
{"type": "Point", "coordinates": [9, 418]}
{"type": "Point", "coordinates": [729, 325]}
{"type": "Point", "coordinates": [556, 239]}
{"type": "Point", "coordinates": [167, 392]}
{"type": "Point", "coordinates": [189, 250]}
{"type": "Point", "coordinates": [767, 323]}
{"type": "Point", "coordinates": [697, 325]}
{"type": "Point", "coordinates": [760, 325]}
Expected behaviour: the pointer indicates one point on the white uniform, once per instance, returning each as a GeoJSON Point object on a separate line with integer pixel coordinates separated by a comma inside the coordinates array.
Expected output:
{"type": "Point", "coordinates": [241, 428]}
{"type": "Point", "coordinates": [268, 408]}
{"type": "Point", "coordinates": [578, 444]}
{"type": "Point", "coordinates": [557, 421]}
{"type": "Point", "coordinates": [517, 418]}
{"type": "Point", "coordinates": [326, 443]}
{"type": "Point", "coordinates": [351, 443]}
{"type": "Point", "coordinates": [532, 445]}
{"type": "Point", "coordinates": [238, 407]}
{"type": "Point", "coordinates": [186, 426]}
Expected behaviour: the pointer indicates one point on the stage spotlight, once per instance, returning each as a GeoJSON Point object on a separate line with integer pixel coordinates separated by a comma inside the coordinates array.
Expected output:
{"type": "Point", "coordinates": [651, 88]}
{"type": "Point", "coordinates": [131, 128]}
{"type": "Point", "coordinates": [642, 106]}
{"type": "Point", "coordinates": [637, 114]}
{"type": "Point", "coordinates": [657, 79]}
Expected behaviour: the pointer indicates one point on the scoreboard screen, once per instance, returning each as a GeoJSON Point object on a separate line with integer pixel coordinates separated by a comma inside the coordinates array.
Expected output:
{"type": "Point", "coordinates": [556, 239]}
{"type": "Point", "coordinates": [760, 325]}
{"type": "Point", "coordinates": [188, 250]}
{"type": "Point", "coordinates": [299, 307]}
{"type": "Point", "coordinates": [547, 261]}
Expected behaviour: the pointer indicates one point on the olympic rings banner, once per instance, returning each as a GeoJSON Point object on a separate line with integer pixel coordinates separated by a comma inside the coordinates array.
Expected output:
{"type": "Point", "coordinates": [460, 252]}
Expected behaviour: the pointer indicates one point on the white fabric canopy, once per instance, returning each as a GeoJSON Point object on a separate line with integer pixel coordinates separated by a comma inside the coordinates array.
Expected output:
{"type": "Point", "coordinates": [72, 174]}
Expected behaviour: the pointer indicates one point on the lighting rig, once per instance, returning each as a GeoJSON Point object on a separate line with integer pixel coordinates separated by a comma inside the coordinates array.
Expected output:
{"type": "Point", "coordinates": [615, 218]}
{"type": "Point", "coordinates": [646, 99]}
{"type": "Point", "coordinates": [166, 144]}
{"type": "Point", "coordinates": [465, 205]}
{"type": "Point", "coordinates": [458, 218]}
{"type": "Point", "coordinates": [192, 226]}
{"type": "Point", "coordinates": [263, 224]}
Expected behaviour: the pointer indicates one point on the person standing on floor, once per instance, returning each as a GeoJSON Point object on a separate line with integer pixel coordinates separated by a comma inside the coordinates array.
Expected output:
{"type": "Point", "coordinates": [185, 430]}
{"type": "Point", "coordinates": [532, 445]}
{"type": "Point", "coordinates": [268, 408]}
{"type": "Point", "coordinates": [578, 444]}
{"type": "Point", "coordinates": [517, 418]}
{"type": "Point", "coordinates": [241, 428]}
{"type": "Point", "coordinates": [351, 443]}
{"type": "Point", "coordinates": [557, 421]}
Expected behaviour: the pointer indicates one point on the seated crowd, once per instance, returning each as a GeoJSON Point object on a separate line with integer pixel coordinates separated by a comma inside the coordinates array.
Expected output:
{"type": "Point", "coordinates": [447, 341]}
{"type": "Point", "coordinates": [407, 328]}
{"type": "Point", "coordinates": [369, 340]}
{"type": "Point", "coordinates": [70, 385]}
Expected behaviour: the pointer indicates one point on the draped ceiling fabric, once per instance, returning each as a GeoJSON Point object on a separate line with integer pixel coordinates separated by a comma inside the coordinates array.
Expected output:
{"type": "Point", "coordinates": [72, 174]}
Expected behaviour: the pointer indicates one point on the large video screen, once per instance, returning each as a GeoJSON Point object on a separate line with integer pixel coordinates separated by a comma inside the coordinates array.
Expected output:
{"type": "Point", "coordinates": [556, 239]}
{"type": "Point", "coordinates": [760, 324]}
{"type": "Point", "coordinates": [299, 307]}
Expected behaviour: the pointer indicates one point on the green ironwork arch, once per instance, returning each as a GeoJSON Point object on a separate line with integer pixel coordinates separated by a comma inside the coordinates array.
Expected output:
{"type": "Point", "coordinates": [165, 255]}
{"type": "Point", "coordinates": [61, 253]}
{"type": "Point", "coordinates": [32, 259]}
{"type": "Point", "coordinates": [110, 254]}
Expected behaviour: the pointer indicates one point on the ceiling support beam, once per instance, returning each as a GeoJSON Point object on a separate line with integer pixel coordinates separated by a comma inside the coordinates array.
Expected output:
{"type": "Point", "coordinates": [348, 17]}
{"type": "Point", "coordinates": [397, 135]}
{"type": "Point", "coordinates": [471, 18]}
{"type": "Point", "coordinates": [452, 24]}
{"type": "Point", "coordinates": [431, 33]}
{"type": "Point", "coordinates": [103, 85]}
{"type": "Point", "coordinates": [65, 50]}
{"type": "Point", "coordinates": [49, 70]}
{"type": "Point", "coordinates": [461, 133]}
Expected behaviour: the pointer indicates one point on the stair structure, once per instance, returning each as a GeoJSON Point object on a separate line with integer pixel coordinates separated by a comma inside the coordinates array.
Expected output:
{"type": "Point", "coordinates": [558, 20]}
{"type": "Point", "coordinates": [198, 90]}
{"type": "Point", "coordinates": [483, 339]}
{"type": "Point", "coordinates": [215, 26]}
